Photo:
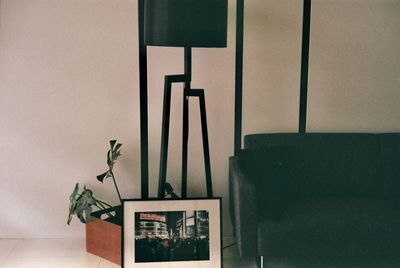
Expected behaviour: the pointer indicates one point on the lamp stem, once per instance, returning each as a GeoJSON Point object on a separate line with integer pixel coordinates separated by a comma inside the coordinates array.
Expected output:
{"type": "Point", "coordinates": [185, 121]}
{"type": "Point", "coordinates": [144, 125]}
{"type": "Point", "coordinates": [239, 76]}
{"type": "Point", "coordinates": [188, 66]}
{"type": "Point", "coordinates": [305, 49]}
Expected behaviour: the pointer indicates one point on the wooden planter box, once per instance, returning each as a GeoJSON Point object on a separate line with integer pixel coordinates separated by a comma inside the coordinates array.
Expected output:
{"type": "Point", "coordinates": [103, 237]}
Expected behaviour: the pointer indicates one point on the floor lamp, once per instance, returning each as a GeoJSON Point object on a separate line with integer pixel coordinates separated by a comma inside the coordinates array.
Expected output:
{"type": "Point", "coordinates": [188, 24]}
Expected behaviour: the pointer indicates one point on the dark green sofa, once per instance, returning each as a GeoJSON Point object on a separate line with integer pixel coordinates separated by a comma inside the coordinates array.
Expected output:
{"type": "Point", "coordinates": [317, 194]}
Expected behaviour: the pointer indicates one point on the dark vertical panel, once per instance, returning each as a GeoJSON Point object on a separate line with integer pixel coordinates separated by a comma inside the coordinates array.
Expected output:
{"type": "Point", "coordinates": [304, 66]}
{"type": "Point", "coordinates": [144, 143]}
{"type": "Point", "coordinates": [238, 76]}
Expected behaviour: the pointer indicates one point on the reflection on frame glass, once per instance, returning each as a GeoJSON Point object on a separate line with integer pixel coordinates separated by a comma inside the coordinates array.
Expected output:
{"type": "Point", "coordinates": [160, 233]}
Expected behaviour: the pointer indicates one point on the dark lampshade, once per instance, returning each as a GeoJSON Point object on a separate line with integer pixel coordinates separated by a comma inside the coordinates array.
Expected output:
{"type": "Point", "coordinates": [186, 23]}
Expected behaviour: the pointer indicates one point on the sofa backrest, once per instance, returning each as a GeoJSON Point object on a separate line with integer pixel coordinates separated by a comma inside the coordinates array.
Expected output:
{"type": "Point", "coordinates": [390, 151]}
{"type": "Point", "coordinates": [339, 164]}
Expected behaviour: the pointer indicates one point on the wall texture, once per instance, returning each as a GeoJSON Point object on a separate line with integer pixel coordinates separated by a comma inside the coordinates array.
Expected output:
{"type": "Point", "coordinates": [68, 72]}
{"type": "Point", "coordinates": [69, 83]}
{"type": "Point", "coordinates": [355, 66]}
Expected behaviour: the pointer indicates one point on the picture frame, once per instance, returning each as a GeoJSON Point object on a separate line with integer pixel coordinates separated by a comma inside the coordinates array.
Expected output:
{"type": "Point", "coordinates": [171, 233]}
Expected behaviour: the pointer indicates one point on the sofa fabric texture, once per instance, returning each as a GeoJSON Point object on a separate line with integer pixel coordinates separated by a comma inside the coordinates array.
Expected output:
{"type": "Point", "coordinates": [269, 170]}
{"type": "Point", "coordinates": [317, 194]}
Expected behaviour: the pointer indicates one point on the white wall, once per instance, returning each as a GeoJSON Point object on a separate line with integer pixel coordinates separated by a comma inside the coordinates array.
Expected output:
{"type": "Point", "coordinates": [272, 49]}
{"type": "Point", "coordinates": [68, 77]}
{"type": "Point", "coordinates": [69, 83]}
{"type": "Point", "coordinates": [355, 66]}
{"type": "Point", "coordinates": [354, 75]}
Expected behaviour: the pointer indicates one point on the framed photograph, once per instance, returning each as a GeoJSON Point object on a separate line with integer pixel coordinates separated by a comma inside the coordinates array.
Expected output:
{"type": "Point", "coordinates": [172, 233]}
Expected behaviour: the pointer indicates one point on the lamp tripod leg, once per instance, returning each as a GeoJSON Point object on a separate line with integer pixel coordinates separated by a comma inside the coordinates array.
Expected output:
{"type": "Point", "coordinates": [204, 130]}
{"type": "Point", "coordinates": [164, 138]}
{"type": "Point", "coordinates": [185, 140]}
{"type": "Point", "coordinates": [206, 148]}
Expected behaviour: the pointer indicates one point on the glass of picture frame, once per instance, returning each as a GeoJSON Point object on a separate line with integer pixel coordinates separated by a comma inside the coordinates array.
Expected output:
{"type": "Point", "coordinates": [172, 233]}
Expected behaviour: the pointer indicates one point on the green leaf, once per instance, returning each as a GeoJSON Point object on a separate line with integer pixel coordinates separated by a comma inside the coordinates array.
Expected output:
{"type": "Point", "coordinates": [103, 176]}
{"type": "Point", "coordinates": [81, 217]}
{"type": "Point", "coordinates": [116, 152]}
{"type": "Point", "coordinates": [69, 219]}
{"type": "Point", "coordinates": [117, 147]}
{"type": "Point", "coordinates": [73, 202]}
{"type": "Point", "coordinates": [87, 211]}
{"type": "Point", "coordinates": [168, 188]}
{"type": "Point", "coordinates": [109, 158]}
{"type": "Point", "coordinates": [112, 143]}
{"type": "Point", "coordinates": [115, 156]}
{"type": "Point", "coordinates": [75, 191]}
{"type": "Point", "coordinates": [81, 204]}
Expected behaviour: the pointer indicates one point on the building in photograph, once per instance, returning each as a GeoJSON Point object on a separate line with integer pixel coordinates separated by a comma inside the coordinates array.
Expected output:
{"type": "Point", "coordinates": [152, 225]}
{"type": "Point", "coordinates": [193, 224]}
{"type": "Point", "coordinates": [202, 223]}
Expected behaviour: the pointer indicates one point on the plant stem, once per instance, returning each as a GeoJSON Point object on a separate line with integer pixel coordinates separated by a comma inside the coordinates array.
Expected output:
{"type": "Point", "coordinates": [102, 207]}
{"type": "Point", "coordinates": [100, 203]}
{"type": "Point", "coordinates": [80, 195]}
{"type": "Point", "coordinates": [116, 187]}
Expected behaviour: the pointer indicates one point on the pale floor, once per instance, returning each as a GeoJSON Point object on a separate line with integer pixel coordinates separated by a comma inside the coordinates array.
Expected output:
{"type": "Point", "coordinates": [71, 253]}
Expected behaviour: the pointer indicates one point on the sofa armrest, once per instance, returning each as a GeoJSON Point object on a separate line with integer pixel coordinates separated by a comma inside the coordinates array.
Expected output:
{"type": "Point", "coordinates": [243, 209]}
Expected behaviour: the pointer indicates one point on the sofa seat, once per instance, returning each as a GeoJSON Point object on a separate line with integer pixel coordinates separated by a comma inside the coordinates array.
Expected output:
{"type": "Point", "coordinates": [309, 194]}
{"type": "Point", "coordinates": [336, 226]}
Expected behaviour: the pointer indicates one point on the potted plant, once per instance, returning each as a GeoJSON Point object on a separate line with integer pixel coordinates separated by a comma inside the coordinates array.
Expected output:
{"type": "Point", "coordinates": [103, 234]}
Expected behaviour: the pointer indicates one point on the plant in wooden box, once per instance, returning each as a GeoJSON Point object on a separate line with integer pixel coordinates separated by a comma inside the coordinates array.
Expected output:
{"type": "Point", "coordinates": [103, 236]}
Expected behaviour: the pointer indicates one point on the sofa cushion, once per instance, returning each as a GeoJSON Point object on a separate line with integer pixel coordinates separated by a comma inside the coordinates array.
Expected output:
{"type": "Point", "coordinates": [334, 227]}
{"type": "Point", "coordinates": [390, 151]}
{"type": "Point", "coordinates": [272, 171]}
{"type": "Point", "coordinates": [331, 164]}
{"type": "Point", "coordinates": [341, 165]}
